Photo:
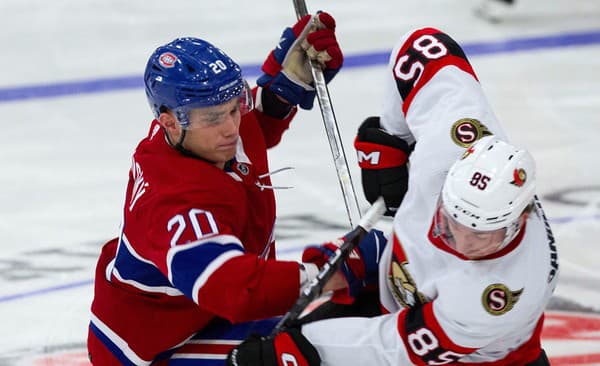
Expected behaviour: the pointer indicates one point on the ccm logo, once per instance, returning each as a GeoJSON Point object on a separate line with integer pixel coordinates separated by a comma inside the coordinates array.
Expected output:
{"type": "Point", "coordinates": [466, 212]}
{"type": "Point", "coordinates": [372, 157]}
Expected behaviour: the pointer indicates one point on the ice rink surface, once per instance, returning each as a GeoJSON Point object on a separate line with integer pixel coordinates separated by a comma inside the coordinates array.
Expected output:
{"type": "Point", "coordinates": [73, 110]}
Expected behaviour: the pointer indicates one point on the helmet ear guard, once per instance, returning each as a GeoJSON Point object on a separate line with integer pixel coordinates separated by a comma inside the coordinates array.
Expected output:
{"type": "Point", "coordinates": [191, 73]}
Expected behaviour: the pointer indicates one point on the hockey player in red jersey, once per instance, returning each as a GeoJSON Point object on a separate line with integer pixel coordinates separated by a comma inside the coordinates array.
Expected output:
{"type": "Point", "coordinates": [196, 250]}
{"type": "Point", "coordinates": [471, 261]}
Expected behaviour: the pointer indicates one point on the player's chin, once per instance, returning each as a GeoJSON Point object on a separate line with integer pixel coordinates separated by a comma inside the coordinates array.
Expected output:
{"type": "Point", "coordinates": [225, 155]}
{"type": "Point", "coordinates": [479, 253]}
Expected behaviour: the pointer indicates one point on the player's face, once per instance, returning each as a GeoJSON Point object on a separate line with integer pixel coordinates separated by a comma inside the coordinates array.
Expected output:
{"type": "Point", "coordinates": [473, 244]}
{"type": "Point", "coordinates": [214, 131]}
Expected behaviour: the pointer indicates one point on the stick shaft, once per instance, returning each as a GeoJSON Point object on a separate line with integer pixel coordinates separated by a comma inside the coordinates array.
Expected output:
{"type": "Point", "coordinates": [333, 264]}
{"type": "Point", "coordinates": [333, 133]}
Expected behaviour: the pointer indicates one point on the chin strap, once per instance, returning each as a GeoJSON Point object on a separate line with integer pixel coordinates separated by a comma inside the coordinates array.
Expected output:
{"type": "Point", "coordinates": [179, 146]}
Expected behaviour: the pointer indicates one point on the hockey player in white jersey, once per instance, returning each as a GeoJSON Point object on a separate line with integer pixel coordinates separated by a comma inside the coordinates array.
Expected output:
{"type": "Point", "coordinates": [470, 263]}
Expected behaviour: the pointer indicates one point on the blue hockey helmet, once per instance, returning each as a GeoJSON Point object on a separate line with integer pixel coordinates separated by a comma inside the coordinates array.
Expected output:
{"type": "Point", "coordinates": [191, 73]}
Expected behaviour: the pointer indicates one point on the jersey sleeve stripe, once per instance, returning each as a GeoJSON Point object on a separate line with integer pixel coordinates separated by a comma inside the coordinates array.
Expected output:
{"type": "Point", "coordinates": [218, 239]}
{"type": "Point", "coordinates": [190, 265]}
{"type": "Point", "coordinates": [125, 245]}
{"type": "Point", "coordinates": [131, 268]}
{"type": "Point", "coordinates": [166, 290]}
{"type": "Point", "coordinates": [424, 338]}
{"type": "Point", "coordinates": [210, 269]}
{"type": "Point", "coordinates": [433, 324]}
{"type": "Point", "coordinates": [403, 320]}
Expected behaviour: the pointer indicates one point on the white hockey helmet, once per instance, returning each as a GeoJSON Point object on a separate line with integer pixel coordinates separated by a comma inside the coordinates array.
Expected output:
{"type": "Point", "coordinates": [490, 186]}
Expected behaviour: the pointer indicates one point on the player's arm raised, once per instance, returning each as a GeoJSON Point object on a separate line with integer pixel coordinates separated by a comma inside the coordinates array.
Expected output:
{"type": "Point", "coordinates": [287, 81]}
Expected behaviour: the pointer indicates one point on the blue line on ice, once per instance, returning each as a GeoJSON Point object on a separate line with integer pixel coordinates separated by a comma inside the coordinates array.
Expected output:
{"type": "Point", "coordinates": [104, 85]}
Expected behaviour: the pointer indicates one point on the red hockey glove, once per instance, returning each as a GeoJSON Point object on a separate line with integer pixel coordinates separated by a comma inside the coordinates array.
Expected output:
{"type": "Point", "coordinates": [287, 69]}
{"type": "Point", "coordinates": [286, 348]}
{"type": "Point", "coordinates": [383, 162]}
{"type": "Point", "coordinates": [361, 267]}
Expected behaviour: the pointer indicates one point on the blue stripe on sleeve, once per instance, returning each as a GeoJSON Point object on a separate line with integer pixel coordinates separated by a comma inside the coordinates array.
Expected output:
{"type": "Point", "coordinates": [187, 265]}
{"type": "Point", "coordinates": [132, 267]}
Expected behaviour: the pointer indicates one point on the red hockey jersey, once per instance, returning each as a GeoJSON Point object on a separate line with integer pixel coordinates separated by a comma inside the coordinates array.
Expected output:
{"type": "Point", "coordinates": [196, 243]}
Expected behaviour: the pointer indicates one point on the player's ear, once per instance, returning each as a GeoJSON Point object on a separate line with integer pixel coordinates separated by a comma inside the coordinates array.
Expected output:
{"type": "Point", "coordinates": [168, 121]}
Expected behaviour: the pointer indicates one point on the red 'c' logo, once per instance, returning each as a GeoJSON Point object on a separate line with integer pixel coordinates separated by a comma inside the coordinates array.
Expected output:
{"type": "Point", "coordinates": [167, 60]}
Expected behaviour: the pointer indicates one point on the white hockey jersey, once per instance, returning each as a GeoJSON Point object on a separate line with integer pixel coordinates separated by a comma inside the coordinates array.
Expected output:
{"type": "Point", "coordinates": [444, 308]}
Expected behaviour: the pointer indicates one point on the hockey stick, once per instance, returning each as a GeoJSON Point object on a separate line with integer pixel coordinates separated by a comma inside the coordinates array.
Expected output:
{"type": "Point", "coordinates": [333, 264]}
{"type": "Point", "coordinates": [333, 133]}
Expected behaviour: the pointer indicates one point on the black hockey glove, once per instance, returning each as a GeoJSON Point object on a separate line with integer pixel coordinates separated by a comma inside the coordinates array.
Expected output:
{"type": "Point", "coordinates": [288, 347]}
{"type": "Point", "coordinates": [383, 162]}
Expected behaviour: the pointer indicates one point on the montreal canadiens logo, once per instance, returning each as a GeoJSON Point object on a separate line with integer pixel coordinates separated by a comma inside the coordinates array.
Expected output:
{"type": "Point", "coordinates": [167, 60]}
{"type": "Point", "coordinates": [498, 299]}
{"type": "Point", "coordinates": [466, 131]}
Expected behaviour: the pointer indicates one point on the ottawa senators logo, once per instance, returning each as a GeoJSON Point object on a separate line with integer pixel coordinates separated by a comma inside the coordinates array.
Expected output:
{"type": "Point", "coordinates": [400, 282]}
{"type": "Point", "coordinates": [519, 177]}
{"type": "Point", "coordinates": [466, 131]}
{"type": "Point", "coordinates": [498, 299]}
